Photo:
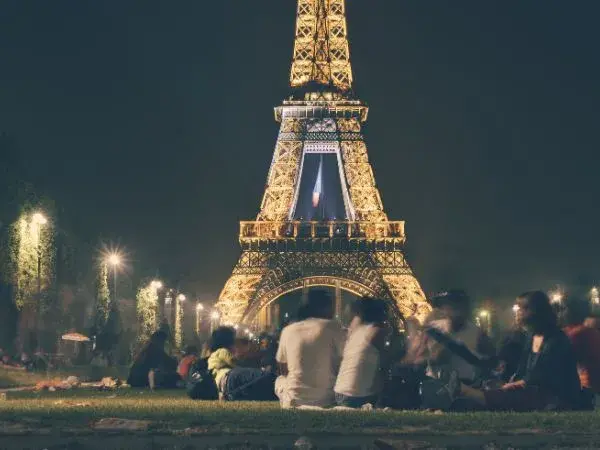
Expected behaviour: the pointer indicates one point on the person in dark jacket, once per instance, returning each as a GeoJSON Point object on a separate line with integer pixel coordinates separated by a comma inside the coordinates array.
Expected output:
{"type": "Point", "coordinates": [546, 377]}
{"type": "Point", "coordinates": [153, 367]}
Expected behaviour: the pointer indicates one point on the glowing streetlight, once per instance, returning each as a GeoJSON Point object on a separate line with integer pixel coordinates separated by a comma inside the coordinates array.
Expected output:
{"type": "Point", "coordinates": [484, 314]}
{"type": "Point", "coordinates": [181, 298]}
{"type": "Point", "coordinates": [156, 285]}
{"type": "Point", "coordinates": [556, 297]}
{"type": "Point", "coordinates": [114, 259]}
{"type": "Point", "coordinates": [39, 219]}
{"type": "Point", "coordinates": [199, 309]}
{"type": "Point", "coordinates": [516, 308]}
{"type": "Point", "coordinates": [595, 295]}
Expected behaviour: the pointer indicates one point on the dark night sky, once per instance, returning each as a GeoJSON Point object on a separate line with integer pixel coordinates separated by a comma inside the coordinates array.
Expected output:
{"type": "Point", "coordinates": [151, 124]}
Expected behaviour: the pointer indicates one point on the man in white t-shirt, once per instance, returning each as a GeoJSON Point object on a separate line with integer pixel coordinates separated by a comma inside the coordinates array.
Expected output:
{"type": "Point", "coordinates": [309, 355]}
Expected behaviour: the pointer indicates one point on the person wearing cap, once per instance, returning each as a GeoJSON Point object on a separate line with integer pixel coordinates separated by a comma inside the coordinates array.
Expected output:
{"type": "Point", "coordinates": [455, 312]}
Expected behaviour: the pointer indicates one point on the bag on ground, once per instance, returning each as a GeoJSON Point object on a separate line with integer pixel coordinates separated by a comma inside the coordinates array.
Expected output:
{"type": "Point", "coordinates": [200, 383]}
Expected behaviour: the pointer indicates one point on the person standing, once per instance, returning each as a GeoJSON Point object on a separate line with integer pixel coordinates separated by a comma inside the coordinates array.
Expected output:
{"type": "Point", "coordinates": [309, 355]}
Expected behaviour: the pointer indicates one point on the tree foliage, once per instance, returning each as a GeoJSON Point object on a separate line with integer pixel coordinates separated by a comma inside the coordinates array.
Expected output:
{"type": "Point", "coordinates": [147, 311]}
{"type": "Point", "coordinates": [178, 326]}
{"type": "Point", "coordinates": [102, 297]}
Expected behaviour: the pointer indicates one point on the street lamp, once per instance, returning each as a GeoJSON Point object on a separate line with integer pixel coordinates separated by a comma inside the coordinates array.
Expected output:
{"type": "Point", "coordinates": [484, 314]}
{"type": "Point", "coordinates": [595, 295]}
{"type": "Point", "coordinates": [214, 322]}
{"type": "Point", "coordinates": [39, 220]}
{"type": "Point", "coordinates": [114, 260]}
{"type": "Point", "coordinates": [181, 298]}
{"type": "Point", "coordinates": [199, 309]}
{"type": "Point", "coordinates": [156, 285]}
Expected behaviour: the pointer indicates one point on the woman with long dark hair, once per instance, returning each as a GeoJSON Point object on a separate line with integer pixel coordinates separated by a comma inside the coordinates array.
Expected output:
{"type": "Point", "coordinates": [546, 377]}
{"type": "Point", "coordinates": [153, 367]}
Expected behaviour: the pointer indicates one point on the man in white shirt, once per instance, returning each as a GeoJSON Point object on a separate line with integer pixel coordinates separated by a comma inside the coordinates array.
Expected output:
{"type": "Point", "coordinates": [309, 355]}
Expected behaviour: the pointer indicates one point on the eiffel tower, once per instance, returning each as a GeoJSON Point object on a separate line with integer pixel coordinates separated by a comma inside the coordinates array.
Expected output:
{"type": "Point", "coordinates": [282, 252]}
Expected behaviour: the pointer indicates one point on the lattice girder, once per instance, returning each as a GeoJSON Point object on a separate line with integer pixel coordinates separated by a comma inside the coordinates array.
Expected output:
{"type": "Point", "coordinates": [261, 275]}
{"type": "Point", "coordinates": [321, 50]}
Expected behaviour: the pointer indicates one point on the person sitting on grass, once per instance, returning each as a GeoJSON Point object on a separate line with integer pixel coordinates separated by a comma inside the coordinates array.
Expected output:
{"type": "Point", "coordinates": [547, 374]}
{"type": "Point", "coordinates": [359, 379]}
{"type": "Point", "coordinates": [234, 382]}
{"type": "Point", "coordinates": [153, 367]}
{"type": "Point", "coordinates": [455, 322]}
{"type": "Point", "coordinates": [586, 345]}
{"type": "Point", "coordinates": [189, 357]}
{"type": "Point", "coordinates": [309, 355]}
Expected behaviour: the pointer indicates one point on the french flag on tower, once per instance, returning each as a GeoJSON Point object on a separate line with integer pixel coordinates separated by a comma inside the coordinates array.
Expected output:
{"type": "Point", "coordinates": [318, 189]}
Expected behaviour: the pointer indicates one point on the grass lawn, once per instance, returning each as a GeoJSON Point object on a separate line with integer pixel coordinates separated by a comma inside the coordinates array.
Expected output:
{"type": "Point", "coordinates": [172, 412]}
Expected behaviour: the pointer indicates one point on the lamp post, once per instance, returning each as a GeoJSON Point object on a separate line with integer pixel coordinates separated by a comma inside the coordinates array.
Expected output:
{"type": "Point", "coordinates": [595, 296]}
{"type": "Point", "coordinates": [38, 221]}
{"type": "Point", "coordinates": [515, 309]}
{"type": "Point", "coordinates": [157, 286]}
{"type": "Point", "coordinates": [484, 315]}
{"type": "Point", "coordinates": [199, 309]}
{"type": "Point", "coordinates": [114, 260]}
{"type": "Point", "coordinates": [214, 322]}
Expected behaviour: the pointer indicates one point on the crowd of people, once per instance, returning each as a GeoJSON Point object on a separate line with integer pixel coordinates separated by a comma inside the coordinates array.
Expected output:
{"type": "Point", "coordinates": [549, 361]}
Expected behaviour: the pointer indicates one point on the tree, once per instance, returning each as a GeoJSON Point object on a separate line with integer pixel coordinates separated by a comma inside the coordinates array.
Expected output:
{"type": "Point", "coordinates": [103, 303]}
{"type": "Point", "coordinates": [147, 311]}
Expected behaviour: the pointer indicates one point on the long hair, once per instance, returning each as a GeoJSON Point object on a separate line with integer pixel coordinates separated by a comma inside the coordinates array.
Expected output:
{"type": "Point", "coordinates": [156, 345]}
{"type": "Point", "coordinates": [541, 317]}
{"type": "Point", "coordinates": [222, 337]}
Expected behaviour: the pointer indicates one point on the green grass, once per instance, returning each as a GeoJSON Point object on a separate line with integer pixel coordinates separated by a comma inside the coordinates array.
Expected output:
{"type": "Point", "coordinates": [172, 411]}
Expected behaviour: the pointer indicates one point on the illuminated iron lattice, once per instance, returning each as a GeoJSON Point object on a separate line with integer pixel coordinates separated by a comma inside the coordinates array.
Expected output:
{"type": "Point", "coordinates": [363, 255]}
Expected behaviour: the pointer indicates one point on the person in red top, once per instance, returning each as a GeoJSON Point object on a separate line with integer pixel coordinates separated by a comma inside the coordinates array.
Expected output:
{"type": "Point", "coordinates": [190, 356]}
{"type": "Point", "coordinates": [585, 341]}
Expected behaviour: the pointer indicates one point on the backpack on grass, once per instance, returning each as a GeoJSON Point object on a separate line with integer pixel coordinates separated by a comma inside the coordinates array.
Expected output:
{"type": "Point", "coordinates": [200, 384]}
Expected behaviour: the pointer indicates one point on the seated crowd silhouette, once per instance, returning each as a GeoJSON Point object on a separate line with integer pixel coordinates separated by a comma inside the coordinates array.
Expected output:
{"type": "Point", "coordinates": [550, 360]}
